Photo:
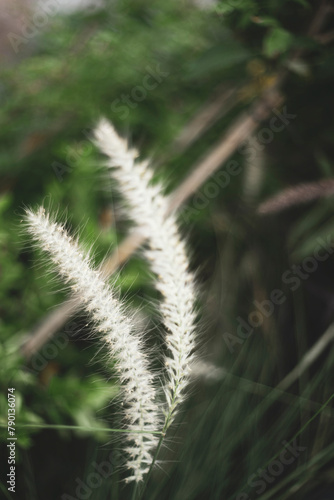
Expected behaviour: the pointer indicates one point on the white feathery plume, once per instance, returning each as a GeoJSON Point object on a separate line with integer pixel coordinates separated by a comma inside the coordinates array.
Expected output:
{"type": "Point", "coordinates": [167, 256]}
{"type": "Point", "coordinates": [116, 327]}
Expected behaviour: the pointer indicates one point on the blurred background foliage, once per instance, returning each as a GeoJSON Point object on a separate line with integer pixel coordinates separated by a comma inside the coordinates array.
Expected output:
{"type": "Point", "coordinates": [61, 71]}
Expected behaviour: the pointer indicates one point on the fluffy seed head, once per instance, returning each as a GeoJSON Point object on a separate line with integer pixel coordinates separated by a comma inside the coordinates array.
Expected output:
{"type": "Point", "coordinates": [115, 328]}
{"type": "Point", "coordinates": [167, 256]}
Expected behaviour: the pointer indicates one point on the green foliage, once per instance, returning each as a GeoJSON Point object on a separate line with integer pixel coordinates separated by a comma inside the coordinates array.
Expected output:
{"type": "Point", "coordinates": [83, 65]}
{"type": "Point", "coordinates": [278, 40]}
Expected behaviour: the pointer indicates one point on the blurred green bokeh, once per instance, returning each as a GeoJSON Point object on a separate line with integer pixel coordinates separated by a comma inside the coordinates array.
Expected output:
{"type": "Point", "coordinates": [150, 67]}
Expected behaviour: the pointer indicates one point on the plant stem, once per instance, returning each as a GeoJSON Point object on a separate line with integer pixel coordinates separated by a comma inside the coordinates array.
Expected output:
{"type": "Point", "coordinates": [134, 493]}
{"type": "Point", "coordinates": [78, 427]}
{"type": "Point", "coordinates": [155, 456]}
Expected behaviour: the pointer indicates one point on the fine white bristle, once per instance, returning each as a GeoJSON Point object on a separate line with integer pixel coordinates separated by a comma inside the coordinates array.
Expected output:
{"type": "Point", "coordinates": [115, 327]}
{"type": "Point", "coordinates": [167, 256]}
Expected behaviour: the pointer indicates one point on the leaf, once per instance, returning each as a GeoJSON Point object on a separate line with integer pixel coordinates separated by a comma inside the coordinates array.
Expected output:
{"type": "Point", "coordinates": [278, 40]}
{"type": "Point", "coordinates": [5, 202]}
{"type": "Point", "coordinates": [224, 9]}
{"type": "Point", "coordinates": [310, 244]}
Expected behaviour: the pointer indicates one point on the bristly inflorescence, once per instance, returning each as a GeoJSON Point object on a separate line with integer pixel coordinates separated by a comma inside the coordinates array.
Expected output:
{"type": "Point", "coordinates": [167, 256]}
{"type": "Point", "coordinates": [116, 328]}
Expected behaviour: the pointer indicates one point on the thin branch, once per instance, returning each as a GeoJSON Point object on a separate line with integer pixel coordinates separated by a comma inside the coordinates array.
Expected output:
{"type": "Point", "coordinates": [206, 117]}
{"type": "Point", "coordinates": [227, 145]}
{"type": "Point", "coordinates": [297, 195]}
{"type": "Point", "coordinates": [48, 326]}
{"type": "Point", "coordinates": [320, 18]}
{"type": "Point", "coordinates": [325, 37]}
{"type": "Point", "coordinates": [236, 134]}
{"type": "Point", "coordinates": [308, 359]}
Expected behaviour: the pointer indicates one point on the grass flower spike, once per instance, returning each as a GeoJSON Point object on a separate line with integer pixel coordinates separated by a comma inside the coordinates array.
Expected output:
{"type": "Point", "coordinates": [167, 256]}
{"type": "Point", "coordinates": [116, 329]}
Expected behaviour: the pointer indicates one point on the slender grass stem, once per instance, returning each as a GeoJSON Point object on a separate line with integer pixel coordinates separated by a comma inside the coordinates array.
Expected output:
{"type": "Point", "coordinates": [151, 467]}
{"type": "Point", "coordinates": [134, 493]}
{"type": "Point", "coordinates": [78, 427]}
{"type": "Point", "coordinates": [5, 492]}
{"type": "Point", "coordinates": [293, 438]}
{"type": "Point", "coordinates": [155, 456]}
